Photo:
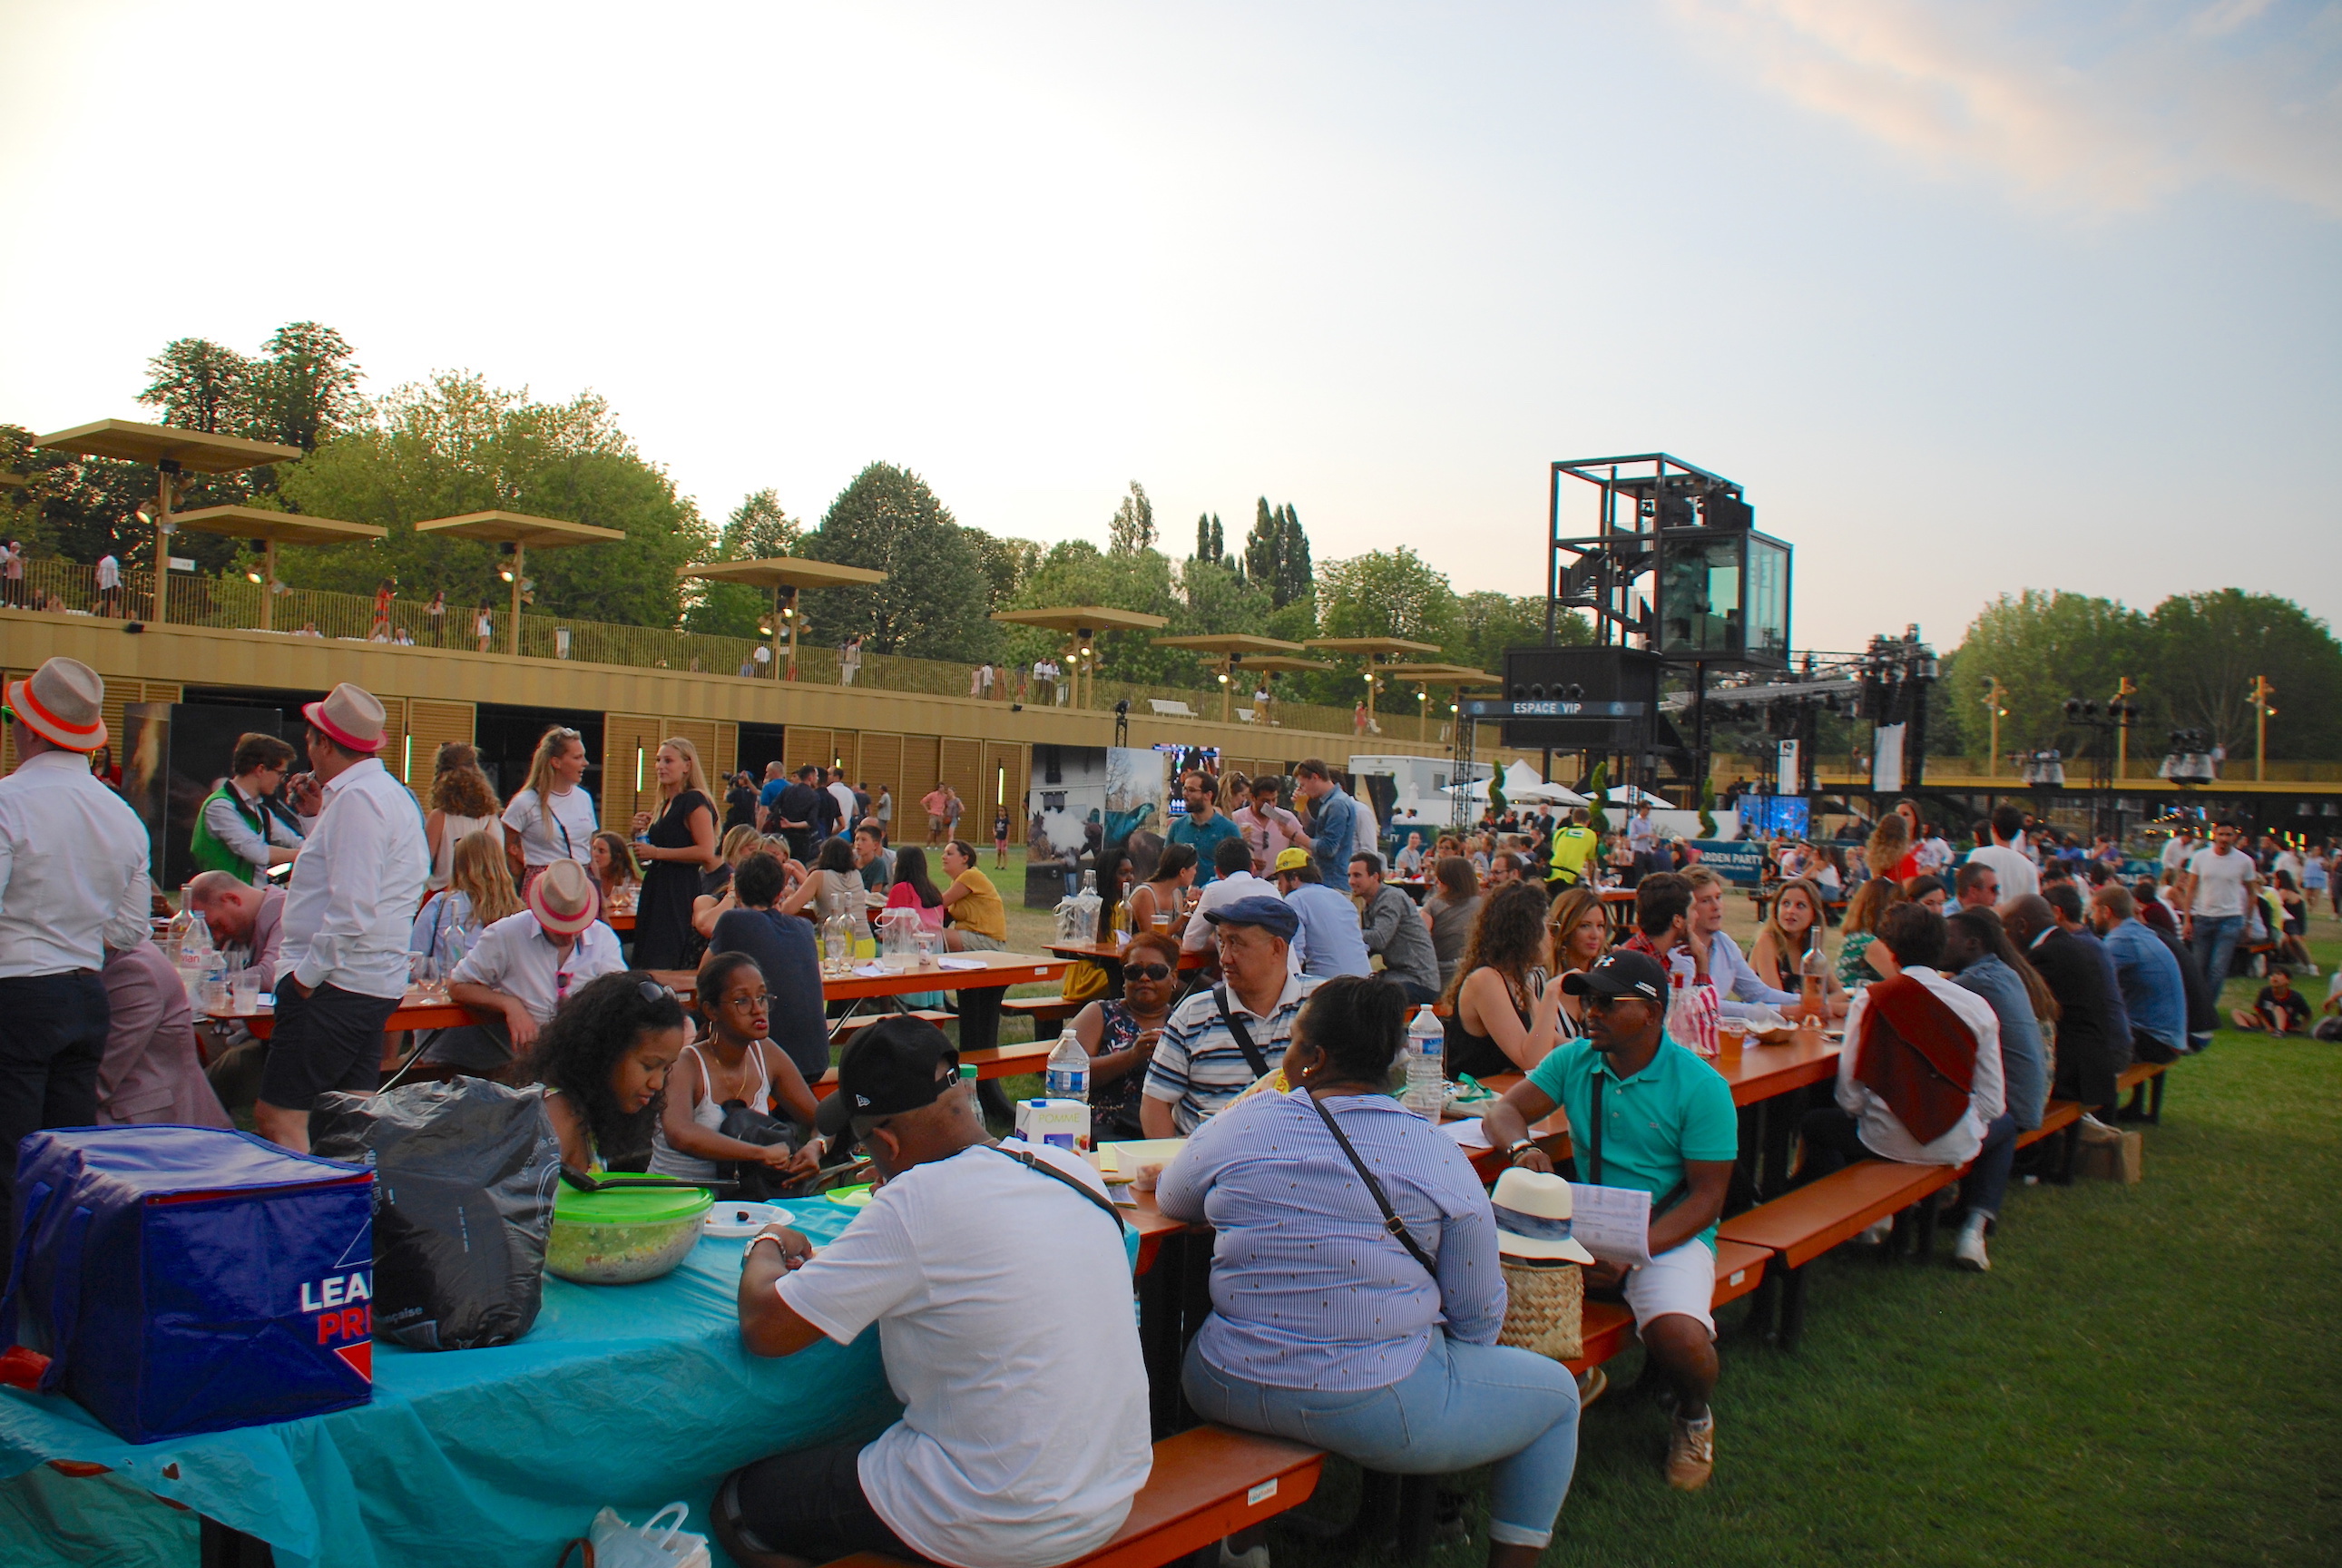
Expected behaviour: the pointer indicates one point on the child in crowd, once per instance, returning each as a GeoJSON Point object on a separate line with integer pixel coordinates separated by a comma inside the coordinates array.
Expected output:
{"type": "Point", "coordinates": [734, 1063]}
{"type": "Point", "coordinates": [604, 1062]}
{"type": "Point", "coordinates": [1000, 840]}
{"type": "Point", "coordinates": [2279, 1009]}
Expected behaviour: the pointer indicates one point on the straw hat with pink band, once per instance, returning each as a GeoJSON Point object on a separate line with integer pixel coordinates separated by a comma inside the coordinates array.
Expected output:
{"type": "Point", "coordinates": [564, 899]}
{"type": "Point", "coordinates": [350, 716]}
{"type": "Point", "coordinates": [63, 703]}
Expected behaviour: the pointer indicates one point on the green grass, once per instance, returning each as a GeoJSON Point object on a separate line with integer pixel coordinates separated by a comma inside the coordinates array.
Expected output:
{"type": "Point", "coordinates": [2147, 1375]}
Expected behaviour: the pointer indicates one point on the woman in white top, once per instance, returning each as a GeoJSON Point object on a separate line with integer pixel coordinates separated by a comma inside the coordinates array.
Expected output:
{"type": "Point", "coordinates": [461, 805]}
{"type": "Point", "coordinates": [833, 887]}
{"type": "Point", "coordinates": [733, 1063]}
{"type": "Point", "coordinates": [552, 818]}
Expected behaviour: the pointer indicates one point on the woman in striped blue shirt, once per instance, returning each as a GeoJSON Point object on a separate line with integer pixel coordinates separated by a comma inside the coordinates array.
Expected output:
{"type": "Point", "coordinates": [1327, 1329]}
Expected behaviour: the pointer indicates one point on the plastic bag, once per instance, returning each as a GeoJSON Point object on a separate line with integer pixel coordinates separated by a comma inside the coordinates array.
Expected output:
{"type": "Point", "coordinates": [464, 1173]}
{"type": "Point", "coordinates": [611, 1542]}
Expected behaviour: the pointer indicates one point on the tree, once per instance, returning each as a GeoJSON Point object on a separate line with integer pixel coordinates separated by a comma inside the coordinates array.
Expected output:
{"type": "Point", "coordinates": [1078, 572]}
{"type": "Point", "coordinates": [2045, 647]}
{"type": "Point", "coordinates": [200, 385]}
{"type": "Point", "coordinates": [2209, 646]}
{"type": "Point", "coordinates": [1277, 554]}
{"type": "Point", "coordinates": [935, 600]}
{"type": "Point", "coordinates": [305, 389]}
{"type": "Point", "coordinates": [1133, 528]}
{"type": "Point", "coordinates": [1387, 593]}
{"type": "Point", "coordinates": [1007, 562]}
{"type": "Point", "coordinates": [758, 529]}
{"type": "Point", "coordinates": [454, 445]}
{"type": "Point", "coordinates": [1486, 624]}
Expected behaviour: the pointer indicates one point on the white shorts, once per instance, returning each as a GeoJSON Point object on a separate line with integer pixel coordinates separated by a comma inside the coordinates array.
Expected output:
{"type": "Point", "coordinates": [1682, 1280]}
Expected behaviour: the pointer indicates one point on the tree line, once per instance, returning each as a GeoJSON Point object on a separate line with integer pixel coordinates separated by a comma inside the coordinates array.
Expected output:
{"type": "Point", "coordinates": [453, 444]}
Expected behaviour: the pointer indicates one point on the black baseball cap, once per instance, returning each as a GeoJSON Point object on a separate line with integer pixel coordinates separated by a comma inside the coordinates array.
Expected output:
{"type": "Point", "coordinates": [896, 1064]}
{"type": "Point", "coordinates": [1620, 972]}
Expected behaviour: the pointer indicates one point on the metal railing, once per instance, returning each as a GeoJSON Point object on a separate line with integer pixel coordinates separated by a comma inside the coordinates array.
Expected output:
{"type": "Point", "coordinates": [234, 602]}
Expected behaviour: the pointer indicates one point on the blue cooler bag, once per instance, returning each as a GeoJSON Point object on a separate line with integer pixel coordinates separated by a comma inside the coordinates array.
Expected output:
{"type": "Point", "coordinates": [189, 1279]}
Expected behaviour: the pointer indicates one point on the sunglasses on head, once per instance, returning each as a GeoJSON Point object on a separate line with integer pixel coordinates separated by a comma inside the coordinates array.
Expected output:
{"type": "Point", "coordinates": [652, 991]}
{"type": "Point", "coordinates": [1147, 971]}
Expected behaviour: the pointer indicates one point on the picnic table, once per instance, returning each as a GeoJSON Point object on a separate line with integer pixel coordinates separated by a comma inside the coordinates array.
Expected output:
{"type": "Point", "coordinates": [487, 1455]}
{"type": "Point", "coordinates": [980, 978]}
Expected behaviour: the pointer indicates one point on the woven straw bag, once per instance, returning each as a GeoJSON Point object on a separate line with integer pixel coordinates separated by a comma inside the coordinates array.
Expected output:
{"type": "Point", "coordinates": [1545, 1308]}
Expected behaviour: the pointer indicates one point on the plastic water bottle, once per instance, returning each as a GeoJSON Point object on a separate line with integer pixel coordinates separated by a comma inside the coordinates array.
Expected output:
{"type": "Point", "coordinates": [1067, 1075]}
{"type": "Point", "coordinates": [1427, 1065]}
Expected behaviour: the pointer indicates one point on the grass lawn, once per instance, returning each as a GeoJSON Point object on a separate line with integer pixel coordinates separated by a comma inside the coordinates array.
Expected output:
{"type": "Point", "coordinates": [2147, 1375]}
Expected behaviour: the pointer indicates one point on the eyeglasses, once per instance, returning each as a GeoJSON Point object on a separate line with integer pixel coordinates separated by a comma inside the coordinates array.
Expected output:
{"type": "Point", "coordinates": [747, 1003]}
{"type": "Point", "coordinates": [1146, 972]}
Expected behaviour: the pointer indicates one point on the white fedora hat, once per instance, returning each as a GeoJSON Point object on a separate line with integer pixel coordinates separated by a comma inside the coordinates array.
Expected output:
{"type": "Point", "coordinates": [564, 899]}
{"type": "Point", "coordinates": [63, 703]}
{"type": "Point", "coordinates": [1533, 1217]}
{"type": "Point", "coordinates": [350, 716]}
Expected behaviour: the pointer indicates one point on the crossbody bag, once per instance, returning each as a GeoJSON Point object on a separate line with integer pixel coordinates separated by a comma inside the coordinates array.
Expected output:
{"type": "Point", "coordinates": [1039, 1166]}
{"type": "Point", "coordinates": [1259, 1065]}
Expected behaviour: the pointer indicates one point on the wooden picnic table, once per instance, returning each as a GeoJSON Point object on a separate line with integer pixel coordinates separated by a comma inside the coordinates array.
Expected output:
{"type": "Point", "coordinates": [1109, 954]}
{"type": "Point", "coordinates": [998, 971]}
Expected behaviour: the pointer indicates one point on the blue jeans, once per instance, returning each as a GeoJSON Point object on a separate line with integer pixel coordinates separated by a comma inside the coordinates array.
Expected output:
{"type": "Point", "coordinates": [1463, 1405]}
{"type": "Point", "coordinates": [2214, 944]}
{"type": "Point", "coordinates": [1988, 1182]}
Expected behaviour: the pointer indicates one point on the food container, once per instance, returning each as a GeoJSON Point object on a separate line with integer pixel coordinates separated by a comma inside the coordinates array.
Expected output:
{"type": "Point", "coordinates": [617, 1236]}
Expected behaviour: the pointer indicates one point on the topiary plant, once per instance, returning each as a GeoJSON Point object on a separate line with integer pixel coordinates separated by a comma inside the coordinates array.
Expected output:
{"type": "Point", "coordinates": [1707, 808]}
{"type": "Point", "coordinates": [1597, 787]}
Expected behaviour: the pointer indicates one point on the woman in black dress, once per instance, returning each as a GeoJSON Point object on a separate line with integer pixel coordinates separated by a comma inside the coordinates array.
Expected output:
{"type": "Point", "coordinates": [679, 848]}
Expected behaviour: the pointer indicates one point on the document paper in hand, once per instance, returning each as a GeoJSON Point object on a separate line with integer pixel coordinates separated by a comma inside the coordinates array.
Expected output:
{"type": "Point", "coordinates": [1614, 1223]}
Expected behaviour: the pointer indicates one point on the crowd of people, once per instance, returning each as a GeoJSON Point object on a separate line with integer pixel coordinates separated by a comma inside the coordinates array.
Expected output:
{"type": "Point", "coordinates": [1359, 1274]}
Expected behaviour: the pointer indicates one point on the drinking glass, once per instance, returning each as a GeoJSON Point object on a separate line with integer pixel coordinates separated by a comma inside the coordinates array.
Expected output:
{"type": "Point", "coordinates": [244, 987]}
{"type": "Point", "coordinates": [214, 993]}
{"type": "Point", "coordinates": [927, 940]}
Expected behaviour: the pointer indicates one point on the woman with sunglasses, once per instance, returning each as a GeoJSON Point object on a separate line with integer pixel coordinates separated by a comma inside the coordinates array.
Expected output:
{"type": "Point", "coordinates": [1120, 1036]}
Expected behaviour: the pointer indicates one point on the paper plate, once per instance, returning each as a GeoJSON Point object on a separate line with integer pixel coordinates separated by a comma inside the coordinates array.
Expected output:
{"type": "Point", "coordinates": [850, 1198]}
{"type": "Point", "coordinates": [736, 1219]}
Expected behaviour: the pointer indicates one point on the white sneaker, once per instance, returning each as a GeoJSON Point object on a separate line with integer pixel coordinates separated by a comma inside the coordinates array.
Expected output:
{"type": "Point", "coordinates": [1876, 1235]}
{"type": "Point", "coordinates": [2097, 1131]}
{"type": "Point", "coordinates": [1255, 1558]}
{"type": "Point", "coordinates": [1969, 1253]}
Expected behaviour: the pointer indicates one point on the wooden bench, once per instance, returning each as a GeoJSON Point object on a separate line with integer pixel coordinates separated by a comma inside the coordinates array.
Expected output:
{"type": "Point", "coordinates": [2137, 1079]}
{"type": "Point", "coordinates": [2058, 1116]}
{"type": "Point", "coordinates": [1607, 1327]}
{"type": "Point", "coordinates": [1801, 1225]}
{"type": "Point", "coordinates": [1041, 1010]}
{"type": "Point", "coordinates": [1208, 1483]}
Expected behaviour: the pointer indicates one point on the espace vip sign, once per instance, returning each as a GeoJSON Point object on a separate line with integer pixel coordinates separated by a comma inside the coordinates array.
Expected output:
{"type": "Point", "coordinates": [340, 1306]}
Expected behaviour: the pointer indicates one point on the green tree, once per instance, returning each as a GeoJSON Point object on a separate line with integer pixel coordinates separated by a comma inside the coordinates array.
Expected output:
{"type": "Point", "coordinates": [758, 529]}
{"type": "Point", "coordinates": [1007, 562]}
{"type": "Point", "coordinates": [1077, 571]}
{"type": "Point", "coordinates": [935, 600]}
{"type": "Point", "coordinates": [198, 384]}
{"type": "Point", "coordinates": [2045, 648]}
{"type": "Point", "coordinates": [1277, 553]}
{"type": "Point", "coordinates": [454, 445]}
{"type": "Point", "coordinates": [1133, 528]}
{"type": "Point", "coordinates": [1211, 542]}
{"type": "Point", "coordinates": [1486, 624]}
{"type": "Point", "coordinates": [305, 387]}
{"type": "Point", "coordinates": [1387, 593]}
{"type": "Point", "coordinates": [2209, 646]}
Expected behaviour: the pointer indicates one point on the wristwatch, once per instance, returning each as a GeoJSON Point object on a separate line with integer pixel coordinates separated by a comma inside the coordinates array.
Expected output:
{"type": "Point", "coordinates": [1516, 1149]}
{"type": "Point", "coordinates": [749, 1251]}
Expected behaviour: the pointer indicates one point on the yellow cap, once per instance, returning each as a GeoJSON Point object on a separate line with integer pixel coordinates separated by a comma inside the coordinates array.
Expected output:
{"type": "Point", "coordinates": [1291, 859]}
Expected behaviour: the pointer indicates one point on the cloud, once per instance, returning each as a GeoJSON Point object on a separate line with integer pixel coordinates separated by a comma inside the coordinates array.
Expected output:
{"type": "Point", "coordinates": [2094, 108]}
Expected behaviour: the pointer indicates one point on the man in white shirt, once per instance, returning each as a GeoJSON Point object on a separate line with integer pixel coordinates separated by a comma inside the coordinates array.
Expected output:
{"type": "Point", "coordinates": [2216, 889]}
{"type": "Point", "coordinates": [1934, 851]}
{"type": "Point", "coordinates": [848, 811]}
{"type": "Point", "coordinates": [525, 966]}
{"type": "Point", "coordinates": [1920, 1079]}
{"type": "Point", "coordinates": [109, 585]}
{"type": "Point", "coordinates": [2006, 854]}
{"type": "Point", "coordinates": [1232, 859]}
{"type": "Point", "coordinates": [1025, 1434]}
{"type": "Point", "coordinates": [341, 970]}
{"type": "Point", "coordinates": [1738, 989]}
{"type": "Point", "coordinates": [2176, 850]}
{"type": "Point", "coordinates": [73, 884]}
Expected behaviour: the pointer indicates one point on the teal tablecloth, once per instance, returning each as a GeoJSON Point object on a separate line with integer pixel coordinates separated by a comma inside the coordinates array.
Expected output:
{"type": "Point", "coordinates": [630, 1396]}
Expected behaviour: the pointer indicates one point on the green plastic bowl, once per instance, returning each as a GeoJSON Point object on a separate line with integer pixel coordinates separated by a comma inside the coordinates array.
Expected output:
{"type": "Point", "coordinates": [620, 1237]}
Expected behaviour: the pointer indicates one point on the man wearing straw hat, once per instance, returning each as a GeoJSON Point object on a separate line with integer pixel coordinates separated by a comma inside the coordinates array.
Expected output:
{"type": "Point", "coordinates": [73, 884]}
{"type": "Point", "coordinates": [525, 966]}
{"type": "Point", "coordinates": [341, 964]}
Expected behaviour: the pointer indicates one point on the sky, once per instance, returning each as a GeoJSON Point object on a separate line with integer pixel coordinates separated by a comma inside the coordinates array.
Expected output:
{"type": "Point", "coordinates": [1971, 297]}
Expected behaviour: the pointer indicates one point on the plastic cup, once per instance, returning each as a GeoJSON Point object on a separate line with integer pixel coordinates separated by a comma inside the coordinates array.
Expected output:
{"type": "Point", "coordinates": [244, 989]}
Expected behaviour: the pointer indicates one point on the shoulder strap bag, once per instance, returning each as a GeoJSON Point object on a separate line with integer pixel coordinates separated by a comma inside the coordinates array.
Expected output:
{"type": "Point", "coordinates": [1391, 1222]}
{"type": "Point", "coordinates": [1039, 1166]}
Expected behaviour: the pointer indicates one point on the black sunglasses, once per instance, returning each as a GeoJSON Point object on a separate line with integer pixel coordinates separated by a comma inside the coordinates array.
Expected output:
{"type": "Point", "coordinates": [1147, 971]}
{"type": "Point", "coordinates": [652, 991]}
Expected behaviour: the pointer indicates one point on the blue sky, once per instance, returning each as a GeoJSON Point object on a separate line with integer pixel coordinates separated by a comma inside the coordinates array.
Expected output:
{"type": "Point", "coordinates": [1970, 297]}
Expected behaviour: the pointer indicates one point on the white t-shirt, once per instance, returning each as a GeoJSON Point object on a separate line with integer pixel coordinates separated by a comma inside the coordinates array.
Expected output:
{"type": "Point", "coordinates": [1003, 1306]}
{"type": "Point", "coordinates": [563, 830]}
{"type": "Point", "coordinates": [2018, 875]}
{"type": "Point", "coordinates": [1934, 853]}
{"type": "Point", "coordinates": [2220, 881]}
{"type": "Point", "coordinates": [843, 794]}
{"type": "Point", "coordinates": [2175, 853]}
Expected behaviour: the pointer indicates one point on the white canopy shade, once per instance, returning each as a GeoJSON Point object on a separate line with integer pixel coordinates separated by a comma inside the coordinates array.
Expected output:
{"type": "Point", "coordinates": [1522, 785]}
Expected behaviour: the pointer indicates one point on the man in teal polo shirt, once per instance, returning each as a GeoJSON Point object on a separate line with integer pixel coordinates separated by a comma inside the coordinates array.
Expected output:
{"type": "Point", "coordinates": [1205, 827]}
{"type": "Point", "coordinates": [1666, 1127]}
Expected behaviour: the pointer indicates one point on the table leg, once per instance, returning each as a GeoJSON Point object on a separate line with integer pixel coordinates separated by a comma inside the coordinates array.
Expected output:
{"type": "Point", "coordinates": [979, 1017]}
